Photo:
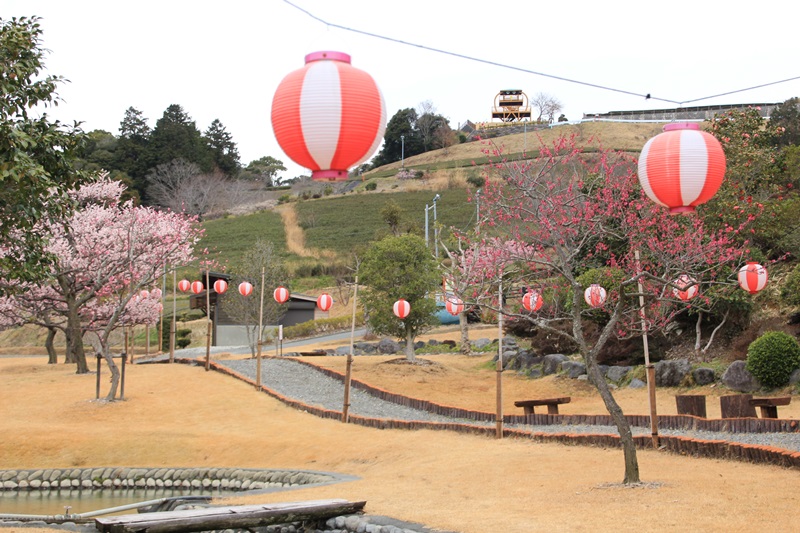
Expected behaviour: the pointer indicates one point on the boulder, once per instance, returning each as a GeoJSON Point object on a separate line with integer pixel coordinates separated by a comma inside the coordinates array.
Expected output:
{"type": "Point", "coordinates": [703, 376]}
{"type": "Point", "coordinates": [552, 363]}
{"type": "Point", "coordinates": [617, 373]}
{"type": "Point", "coordinates": [388, 346]}
{"type": "Point", "coordinates": [795, 377]}
{"type": "Point", "coordinates": [433, 342]}
{"type": "Point", "coordinates": [420, 344]}
{"type": "Point", "coordinates": [449, 343]}
{"type": "Point", "coordinates": [637, 383]}
{"type": "Point", "coordinates": [736, 377]}
{"type": "Point", "coordinates": [672, 373]}
{"type": "Point", "coordinates": [478, 344]}
{"type": "Point", "coordinates": [573, 369]}
{"type": "Point", "coordinates": [365, 347]}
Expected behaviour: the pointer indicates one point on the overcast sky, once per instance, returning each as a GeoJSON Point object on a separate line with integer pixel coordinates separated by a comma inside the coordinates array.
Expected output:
{"type": "Point", "coordinates": [225, 59]}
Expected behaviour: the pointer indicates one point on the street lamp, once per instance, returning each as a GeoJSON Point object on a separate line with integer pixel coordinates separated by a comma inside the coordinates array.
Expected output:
{"type": "Point", "coordinates": [436, 242]}
{"type": "Point", "coordinates": [402, 151]}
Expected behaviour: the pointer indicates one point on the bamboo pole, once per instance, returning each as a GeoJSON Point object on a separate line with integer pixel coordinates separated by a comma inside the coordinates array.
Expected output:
{"type": "Point", "coordinates": [499, 368]}
{"type": "Point", "coordinates": [651, 371]}
{"type": "Point", "coordinates": [174, 315]}
{"type": "Point", "coordinates": [260, 331]}
{"type": "Point", "coordinates": [208, 320]}
{"type": "Point", "coordinates": [349, 368]}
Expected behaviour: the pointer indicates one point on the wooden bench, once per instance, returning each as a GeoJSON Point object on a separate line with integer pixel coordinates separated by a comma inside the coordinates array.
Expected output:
{"type": "Point", "coordinates": [769, 406]}
{"type": "Point", "coordinates": [551, 403]}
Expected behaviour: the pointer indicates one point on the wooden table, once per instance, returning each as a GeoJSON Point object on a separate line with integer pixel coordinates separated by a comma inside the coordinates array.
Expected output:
{"type": "Point", "coordinates": [551, 403]}
{"type": "Point", "coordinates": [769, 406]}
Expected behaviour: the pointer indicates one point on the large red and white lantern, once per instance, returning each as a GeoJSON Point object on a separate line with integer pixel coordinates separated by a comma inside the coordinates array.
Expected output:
{"type": "Point", "coordinates": [197, 287]}
{"type": "Point", "coordinates": [401, 308]}
{"type": "Point", "coordinates": [245, 288]}
{"type": "Point", "coordinates": [532, 301]}
{"type": "Point", "coordinates": [454, 305]}
{"type": "Point", "coordinates": [682, 167]}
{"type": "Point", "coordinates": [328, 116]}
{"type": "Point", "coordinates": [184, 285]}
{"type": "Point", "coordinates": [752, 277]}
{"type": "Point", "coordinates": [281, 295]}
{"type": "Point", "coordinates": [595, 295]}
{"type": "Point", "coordinates": [324, 301]}
{"type": "Point", "coordinates": [220, 286]}
{"type": "Point", "coordinates": [685, 288]}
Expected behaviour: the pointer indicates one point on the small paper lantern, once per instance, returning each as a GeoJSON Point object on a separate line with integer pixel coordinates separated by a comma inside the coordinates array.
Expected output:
{"type": "Point", "coordinates": [454, 305]}
{"type": "Point", "coordinates": [682, 167]}
{"type": "Point", "coordinates": [595, 295]}
{"type": "Point", "coordinates": [752, 277]}
{"type": "Point", "coordinates": [184, 285]}
{"type": "Point", "coordinates": [197, 287]}
{"type": "Point", "coordinates": [328, 116]}
{"type": "Point", "coordinates": [688, 288]}
{"type": "Point", "coordinates": [220, 286]}
{"type": "Point", "coordinates": [401, 308]}
{"type": "Point", "coordinates": [532, 301]}
{"type": "Point", "coordinates": [281, 295]}
{"type": "Point", "coordinates": [324, 302]}
{"type": "Point", "coordinates": [156, 293]}
{"type": "Point", "coordinates": [245, 288]}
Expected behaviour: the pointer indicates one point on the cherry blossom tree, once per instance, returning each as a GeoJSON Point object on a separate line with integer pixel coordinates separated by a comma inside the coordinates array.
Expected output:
{"type": "Point", "coordinates": [105, 254]}
{"type": "Point", "coordinates": [551, 221]}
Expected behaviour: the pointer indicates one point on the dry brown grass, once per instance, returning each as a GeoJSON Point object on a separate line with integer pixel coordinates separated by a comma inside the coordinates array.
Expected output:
{"type": "Point", "coordinates": [176, 415]}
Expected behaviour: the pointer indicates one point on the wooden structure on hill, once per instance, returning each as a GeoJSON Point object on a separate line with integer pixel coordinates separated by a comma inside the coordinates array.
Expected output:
{"type": "Point", "coordinates": [511, 105]}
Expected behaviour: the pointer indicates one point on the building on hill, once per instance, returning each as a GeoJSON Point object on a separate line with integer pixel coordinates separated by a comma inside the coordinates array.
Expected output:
{"type": "Point", "coordinates": [695, 113]}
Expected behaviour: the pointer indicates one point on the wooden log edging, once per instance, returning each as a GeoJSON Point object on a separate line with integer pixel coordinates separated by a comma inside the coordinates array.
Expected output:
{"type": "Point", "coordinates": [717, 449]}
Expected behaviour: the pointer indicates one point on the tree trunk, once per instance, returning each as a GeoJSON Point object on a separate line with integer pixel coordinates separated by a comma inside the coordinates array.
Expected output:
{"type": "Point", "coordinates": [410, 346]}
{"type": "Point", "coordinates": [101, 347]}
{"type": "Point", "coordinates": [74, 334]}
{"type": "Point", "coordinates": [52, 356]}
{"type": "Point", "coordinates": [623, 427]}
{"type": "Point", "coordinates": [466, 347]}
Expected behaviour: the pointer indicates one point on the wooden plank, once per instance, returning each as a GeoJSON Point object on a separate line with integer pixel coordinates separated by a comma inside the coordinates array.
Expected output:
{"type": "Point", "coordinates": [227, 517]}
{"type": "Point", "coordinates": [691, 404]}
{"type": "Point", "coordinates": [737, 406]}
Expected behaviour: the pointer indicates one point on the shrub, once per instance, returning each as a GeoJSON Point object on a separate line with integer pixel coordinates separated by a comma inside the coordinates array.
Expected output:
{"type": "Point", "coordinates": [790, 292]}
{"type": "Point", "coordinates": [773, 357]}
{"type": "Point", "coordinates": [476, 181]}
{"type": "Point", "coordinates": [371, 186]}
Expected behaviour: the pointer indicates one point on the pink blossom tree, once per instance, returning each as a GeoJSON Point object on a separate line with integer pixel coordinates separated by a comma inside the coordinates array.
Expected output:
{"type": "Point", "coordinates": [556, 217]}
{"type": "Point", "coordinates": [105, 253]}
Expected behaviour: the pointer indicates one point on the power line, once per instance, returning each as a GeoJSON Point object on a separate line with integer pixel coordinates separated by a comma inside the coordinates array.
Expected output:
{"type": "Point", "coordinates": [647, 96]}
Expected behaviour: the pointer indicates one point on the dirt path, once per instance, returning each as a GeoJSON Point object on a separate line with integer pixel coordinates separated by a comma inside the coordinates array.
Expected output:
{"type": "Point", "coordinates": [295, 238]}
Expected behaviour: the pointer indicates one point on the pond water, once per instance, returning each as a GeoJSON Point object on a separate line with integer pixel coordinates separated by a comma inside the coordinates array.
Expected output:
{"type": "Point", "coordinates": [52, 502]}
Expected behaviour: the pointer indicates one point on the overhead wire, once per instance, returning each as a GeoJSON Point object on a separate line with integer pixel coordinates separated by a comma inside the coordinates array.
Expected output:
{"type": "Point", "coordinates": [647, 96]}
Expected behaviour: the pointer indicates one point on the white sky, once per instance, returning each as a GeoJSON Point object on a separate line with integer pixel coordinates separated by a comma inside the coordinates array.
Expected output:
{"type": "Point", "coordinates": [225, 59]}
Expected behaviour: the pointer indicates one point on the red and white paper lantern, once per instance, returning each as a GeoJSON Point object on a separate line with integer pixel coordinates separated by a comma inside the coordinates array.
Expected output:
{"type": "Point", "coordinates": [401, 308]}
{"type": "Point", "coordinates": [184, 285]}
{"type": "Point", "coordinates": [682, 167]}
{"type": "Point", "coordinates": [595, 295]}
{"type": "Point", "coordinates": [281, 295]}
{"type": "Point", "coordinates": [245, 288]}
{"type": "Point", "coordinates": [328, 116]}
{"type": "Point", "coordinates": [532, 301]}
{"type": "Point", "coordinates": [220, 286]}
{"type": "Point", "coordinates": [197, 287]}
{"type": "Point", "coordinates": [454, 305]}
{"type": "Point", "coordinates": [324, 301]}
{"type": "Point", "coordinates": [752, 277]}
{"type": "Point", "coordinates": [686, 288]}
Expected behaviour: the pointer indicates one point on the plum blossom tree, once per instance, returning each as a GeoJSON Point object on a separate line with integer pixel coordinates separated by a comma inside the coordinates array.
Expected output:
{"type": "Point", "coordinates": [567, 212]}
{"type": "Point", "coordinates": [105, 253]}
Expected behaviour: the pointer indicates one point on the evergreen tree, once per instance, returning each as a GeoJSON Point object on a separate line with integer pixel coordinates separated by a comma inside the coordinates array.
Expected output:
{"type": "Point", "coordinates": [224, 153]}
{"type": "Point", "coordinates": [132, 156]}
{"type": "Point", "coordinates": [176, 137]}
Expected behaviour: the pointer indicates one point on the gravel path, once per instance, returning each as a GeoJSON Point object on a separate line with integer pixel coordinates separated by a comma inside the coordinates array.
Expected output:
{"type": "Point", "coordinates": [303, 383]}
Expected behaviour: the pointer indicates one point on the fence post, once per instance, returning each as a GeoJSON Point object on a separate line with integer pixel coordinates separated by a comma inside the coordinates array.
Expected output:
{"type": "Point", "coordinates": [97, 391]}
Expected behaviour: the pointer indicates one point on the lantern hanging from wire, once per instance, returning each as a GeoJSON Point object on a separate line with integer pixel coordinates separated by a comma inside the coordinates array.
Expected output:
{"type": "Point", "coordinates": [197, 287]}
{"type": "Point", "coordinates": [324, 301]}
{"type": "Point", "coordinates": [752, 277]}
{"type": "Point", "coordinates": [401, 308]}
{"type": "Point", "coordinates": [220, 286]}
{"type": "Point", "coordinates": [685, 288]}
{"type": "Point", "coordinates": [532, 301]}
{"type": "Point", "coordinates": [245, 288]}
{"type": "Point", "coordinates": [682, 167]}
{"type": "Point", "coordinates": [595, 295]}
{"type": "Point", "coordinates": [281, 295]}
{"type": "Point", "coordinates": [328, 116]}
{"type": "Point", "coordinates": [184, 285]}
{"type": "Point", "coordinates": [454, 305]}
